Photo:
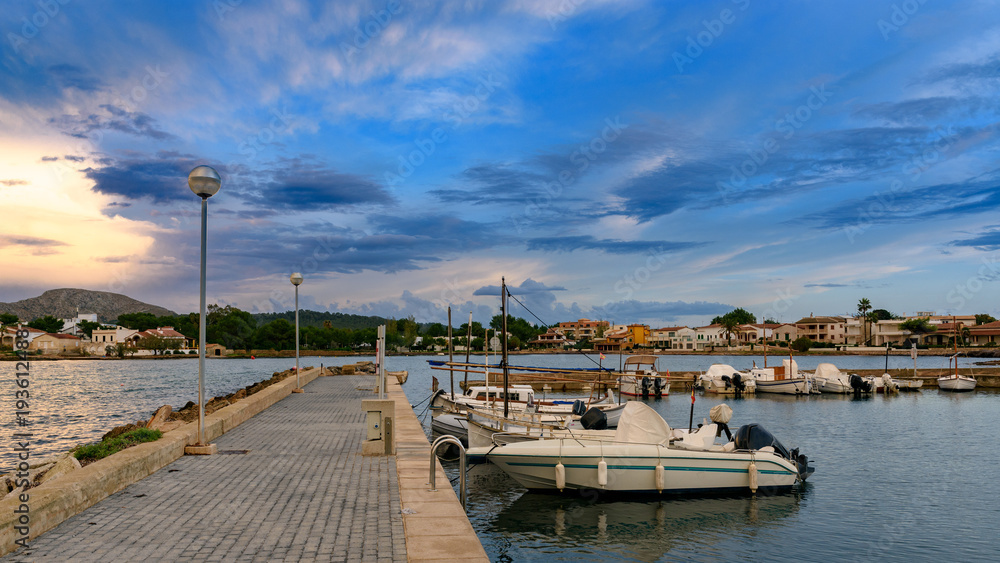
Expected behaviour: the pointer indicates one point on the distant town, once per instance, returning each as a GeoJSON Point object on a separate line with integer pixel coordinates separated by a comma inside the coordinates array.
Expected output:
{"type": "Point", "coordinates": [231, 330]}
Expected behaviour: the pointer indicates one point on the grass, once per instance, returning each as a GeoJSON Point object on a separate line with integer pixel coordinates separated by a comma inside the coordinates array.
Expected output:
{"type": "Point", "coordinates": [93, 452]}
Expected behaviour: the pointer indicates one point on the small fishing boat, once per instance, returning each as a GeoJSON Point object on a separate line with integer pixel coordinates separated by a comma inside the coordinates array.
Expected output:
{"type": "Point", "coordinates": [639, 378]}
{"type": "Point", "coordinates": [829, 379]}
{"type": "Point", "coordinates": [956, 382]}
{"type": "Point", "coordinates": [784, 379]}
{"type": "Point", "coordinates": [520, 398]}
{"type": "Point", "coordinates": [724, 379]}
{"type": "Point", "coordinates": [646, 457]}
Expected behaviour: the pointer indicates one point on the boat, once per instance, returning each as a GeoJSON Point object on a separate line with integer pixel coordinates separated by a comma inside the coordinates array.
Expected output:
{"type": "Point", "coordinates": [724, 379]}
{"type": "Point", "coordinates": [956, 382]}
{"type": "Point", "coordinates": [452, 424]}
{"type": "Point", "coordinates": [483, 426]}
{"type": "Point", "coordinates": [911, 384]}
{"type": "Point", "coordinates": [639, 378]}
{"type": "Point", "coordinates": [831, 380]}
{"type": "Point", "coordinates": [783, 379]}
{"type": "Point", "coordinates": [645, 457]}
{"type": "Point", "coordinates": [520, 398]}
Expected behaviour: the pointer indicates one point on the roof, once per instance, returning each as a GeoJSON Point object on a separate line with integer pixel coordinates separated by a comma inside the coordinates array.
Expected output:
{"type": "Point", "coordinates": [163, 332]}
{"type": "Point", "coordinates": [671, 328]}
{"type": "Point", "coordinates": [985, 326]}
{"type": "Point", "coordinates": [806, 320]}
{"type": "Point", "coordinates": [61, 336]}
{"type": "Point", "coordinates": [13, 329]}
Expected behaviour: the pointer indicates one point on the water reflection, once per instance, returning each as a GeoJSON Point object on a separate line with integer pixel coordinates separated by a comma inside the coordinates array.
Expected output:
{"type": "Point", "coordinates": [639, 530]}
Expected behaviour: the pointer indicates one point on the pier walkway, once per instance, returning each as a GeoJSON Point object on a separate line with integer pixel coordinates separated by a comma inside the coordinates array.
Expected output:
{"type": "Point", "coordinates": [287, 485]}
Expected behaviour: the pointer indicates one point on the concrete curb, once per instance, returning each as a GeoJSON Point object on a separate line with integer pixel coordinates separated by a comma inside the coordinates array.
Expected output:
{"type": "Point", "coordinates": [439, 529]}
{"type": "Point", "coordinates": [53, 502]}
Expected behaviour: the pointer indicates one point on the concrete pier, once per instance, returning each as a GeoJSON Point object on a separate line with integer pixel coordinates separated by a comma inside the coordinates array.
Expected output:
{"type": "Point", "coordinates": [287, 485]}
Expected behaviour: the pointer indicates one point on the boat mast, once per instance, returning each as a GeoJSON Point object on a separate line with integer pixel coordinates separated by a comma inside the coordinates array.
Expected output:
{"type": "Point", "coordinates": [468, 349]}
{"type": "Point", "coordinates": [503, 347]}
{"type": "Point", "coordinates": [451, 356]}
{"type": "Point", "coordinates": [954, 339]}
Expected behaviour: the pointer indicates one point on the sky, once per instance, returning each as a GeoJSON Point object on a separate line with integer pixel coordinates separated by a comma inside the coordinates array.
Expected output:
{"type": "Point", "coordinates": [651, 162]}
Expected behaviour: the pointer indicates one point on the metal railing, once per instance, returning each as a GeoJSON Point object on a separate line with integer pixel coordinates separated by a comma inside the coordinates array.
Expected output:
{"type": "Point", "coordinates": [461, 461]}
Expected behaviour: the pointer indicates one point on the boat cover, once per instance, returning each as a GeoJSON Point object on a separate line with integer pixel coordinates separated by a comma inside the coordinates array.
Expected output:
{"type": "Point", "coordinates": [828, 371]}
{"type": "Point", "coordinates": [716, 371]}
{"type": "Point", "coordinates": [641, 424]}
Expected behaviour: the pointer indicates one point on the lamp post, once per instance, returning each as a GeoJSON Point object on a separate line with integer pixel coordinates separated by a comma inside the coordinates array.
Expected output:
{"type": "Point", "coordinates": [205, 182]}
{"type": "Point", "coordinates": [296, 280]}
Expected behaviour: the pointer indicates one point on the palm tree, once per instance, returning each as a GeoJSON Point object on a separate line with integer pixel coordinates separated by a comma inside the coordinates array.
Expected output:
{"type": "Point", "coordinates": [729, 325]}
{"type": "Point", "coordinates": [864, 305]}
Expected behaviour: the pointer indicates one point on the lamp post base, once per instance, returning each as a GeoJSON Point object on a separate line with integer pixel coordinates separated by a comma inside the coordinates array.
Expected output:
{"type": "Point", "coordinates": [297, 390]}
{"type": "Point", "coordinates": [201, 449]}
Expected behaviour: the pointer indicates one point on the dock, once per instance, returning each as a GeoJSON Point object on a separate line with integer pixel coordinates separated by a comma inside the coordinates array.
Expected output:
{"type": "Point", "coordinates": [289, 484]}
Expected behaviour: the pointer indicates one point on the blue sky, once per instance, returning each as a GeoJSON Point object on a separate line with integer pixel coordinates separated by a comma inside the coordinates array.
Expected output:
{"type": "Point", "coordinates": [657, 162]}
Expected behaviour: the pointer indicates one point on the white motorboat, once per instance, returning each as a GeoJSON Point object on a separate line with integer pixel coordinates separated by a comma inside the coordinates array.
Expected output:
{"type": "Point", "coordinates": [520, 397]}
{"type": "Point", "coordinates": [955, 381]}
{"type": "Point", "coordinates": [485, 425]}
{"type": "Point", "coordinates": [783, 379]}
{"type": "Point", "coordinates": [645, 457]}
{"type": "Point", "coordinates": [640, 379]}
{"type": "Point", "coordinates": [831, 380]}
{"type": "Point", "coordinates": [456, 425]}
{"type": "Point", "coordinates": [724, 379]}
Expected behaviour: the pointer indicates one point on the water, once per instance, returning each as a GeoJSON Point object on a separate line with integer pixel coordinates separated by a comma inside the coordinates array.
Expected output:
{"type": "Point", "coordinates": [911, 477]}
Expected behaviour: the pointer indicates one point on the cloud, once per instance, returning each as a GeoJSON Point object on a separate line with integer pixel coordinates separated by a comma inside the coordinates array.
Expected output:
{"type": "Point", "coordinates": [985, 70]}
{"type": "Point", "coordinates": [113, 118]}
{"type": "Point", "coordinates": [922, 110]}
{"type": "Point", "coordinates": [12, 183]}
{"type": "Point", "coordinates": [827, 285]}
{"type": "Point", "coordinates": [527, 287]}
{"type": "Point", "coordinates": [299, 185]}
{"type": "Point", "coordinates": [161, 177]}
{"type": "Point", "coordinates": [72, 76]}
{"type": "Point", "coordinates": [112, 259]}
{"type": "Point", "coordinates": [988, 240]}
{"type": "Point", "coordinates": [37, 246]}
{"type": "Point", "coordinates": [587, 242]}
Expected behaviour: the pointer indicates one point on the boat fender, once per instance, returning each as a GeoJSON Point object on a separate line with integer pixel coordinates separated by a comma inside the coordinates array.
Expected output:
{"type": "Point", "coordinates": [602, 473]}
{"type": "Point", "coordinates": [560, 476]}
{"type": "Point", "coordinates": [752, 470]}
{"type": "Point", "coordinates": [661, 478]}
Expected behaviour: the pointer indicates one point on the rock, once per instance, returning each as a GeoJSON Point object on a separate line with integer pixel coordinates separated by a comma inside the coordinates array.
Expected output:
{"type": "Point", "coordinates": [160, 417]}
{"type": "Point", "coordinates": [46, 460]}
{"type": "Point", "coordinates": [347, 370]}
{"type": "Point", "coordinates": [241, 394]}
{"type": "Point", "coordinates": [119, 430]}
{"type": "Point", "coordinates": [62, 467]}
{"type": "Point", "coordinates": [170, 425]}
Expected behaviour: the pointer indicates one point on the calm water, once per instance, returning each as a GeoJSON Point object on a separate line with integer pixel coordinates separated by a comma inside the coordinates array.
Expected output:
{"type": "Point", "coordinates": [912, 477]}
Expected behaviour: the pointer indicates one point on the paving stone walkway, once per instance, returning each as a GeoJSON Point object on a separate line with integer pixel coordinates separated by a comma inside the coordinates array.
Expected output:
{"type": "Point", "coordinates": [301, 492]}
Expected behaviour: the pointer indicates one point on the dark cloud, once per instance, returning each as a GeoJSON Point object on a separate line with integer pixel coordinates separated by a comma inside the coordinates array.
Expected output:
{"type": "Point", "coordinates": [988, 69]}
{"type": "Point", "coordinates": [305, 186]}
{"type": "Point", "coordinates": [112, 259]}
{"type": "Point", "coordinates": [161, 177]}
{"type": "Point", "coordinates": [922, 110]}
{"type": "Point", "coordinates": [50, 158]}
{"type": "Point", "coordinates": [41, 245]}
{"type": "Point", "coordinates": [113, 118]}
{"type": "Point", "coordinates": [587, 242]}
{"type": "Point", "coordinates": [527, 287]}
{"type": "Point", "coordinates": [988, 240]}
{"type": "Point", "coordinates": [73, 158]}
{"type": "Point", "coordinates": [827, 285]}
{"type": "Point", "coordinates": [12, 183]}
{"type": "Point", "coordinates": [494, 184]}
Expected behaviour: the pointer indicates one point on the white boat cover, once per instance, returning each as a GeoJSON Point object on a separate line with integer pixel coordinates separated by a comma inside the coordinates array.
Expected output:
{"type": "Point", "coordinates": [641, 424]}
{"type": "Point", "coordinates": [716, 371]}
{"type": "Point", "coordinates": [827, 371]}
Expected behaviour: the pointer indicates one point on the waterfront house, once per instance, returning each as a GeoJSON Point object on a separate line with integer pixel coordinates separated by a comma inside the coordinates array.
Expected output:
{"type": "Point", "coordinates": [72, 325]}
{"type": "Point", "coordinates": [175, 339]}
{"type": "Point", "coordinates": [55, 343]}
{"type": "Point", "coordinates": [823, 329]}
{"type": "Point", "coordinates": [709, 336]}
{"type": "Point", "coordinates": [9, 334]}
{"type": "Point", "coordinates": [583, 329]}
{"type": "Point", "coordinates": [984, 334]}
{"type": "Point", "coordinates": [552, 338]}
{"type": "Point", "coordinates": [784, 332]}
{"type": "Point", "coordinates": [673, 337]}
{"type": "Point", "coordinates": [109, 336]}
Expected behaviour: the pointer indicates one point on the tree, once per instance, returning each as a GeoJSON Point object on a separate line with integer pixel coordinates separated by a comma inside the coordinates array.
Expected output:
{"type": "Point", "coordinates": [138, 321]}
{"type": "Point", "coordinates": [278, 334]}
{"type": "Point", "coordinates": [436, 330]}
{"type": "Point", "coordinates": [517, 327]}
{"type": "Point", "coordinates": [980, 319]}
{"type": "Point", "coordinates": [919, 327]}
{"type": "Point", "coordinates": [864, 305]}
{"type": "Point", "coordinates": [119, 350]}
{"type": "Point", "coordinates": [48, 323]}
{"type": "Point", "coordinates": [230, 327]}
{"type": "Point", "coordinates": [729, 325]}
{"type": "Point", "coordinates": [770, 321]}
{"type": "Point", "coordinates": [8, 319]}
{"type": "Point", "coordinates": [883, 315]}
{"type": "Point", "coordinates": [801, 344]}
{"type": "Point", "coordinates": [88, 327]}
{"type": "Point", "coordinates": [739, 314]}
{"type": "Point", "coordinates": [157, 344]}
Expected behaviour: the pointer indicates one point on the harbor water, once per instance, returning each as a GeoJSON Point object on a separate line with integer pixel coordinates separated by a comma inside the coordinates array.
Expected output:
{"type": "Point", "coordinates": [911, 477]}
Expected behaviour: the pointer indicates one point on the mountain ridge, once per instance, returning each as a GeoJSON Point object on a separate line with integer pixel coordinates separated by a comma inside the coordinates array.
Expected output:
{"type": "Point", "coordinates": [63, 303]}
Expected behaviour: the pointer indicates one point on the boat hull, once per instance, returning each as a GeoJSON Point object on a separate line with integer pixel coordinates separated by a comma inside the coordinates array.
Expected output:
{"type": "Point", "coordinates": [632, 468]}
{"type": "Point", "coordinates": [959, 383]}
{"type": "Point", "coordinates": [631, 386]}
{"type": "Point", "coordinates": [798, 386]}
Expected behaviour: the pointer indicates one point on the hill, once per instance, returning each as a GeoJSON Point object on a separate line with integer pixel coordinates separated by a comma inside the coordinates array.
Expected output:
{"type": "Point", "coordinates": [316, 318]}
{"type": "Point", "coordinates": [64, 304]}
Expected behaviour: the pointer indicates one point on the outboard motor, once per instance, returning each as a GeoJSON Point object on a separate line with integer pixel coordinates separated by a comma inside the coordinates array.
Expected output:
{"type": "Point", "coordinates": [728, 380]}
{"type": "Point", "coordinates": [646, 384]}
{"type": "Point", "coordinates": [579, 407]}
{"type": "Point", "coordinates": [738, 385]}
{"type": "Point", "coordinates": [755, 437]}
{"type": "Point", "coordinates": [859, 385]}
{"type": "Point", "coordinates": [595, 419]}
{"type": "Point", "coordinates": [658, 387]}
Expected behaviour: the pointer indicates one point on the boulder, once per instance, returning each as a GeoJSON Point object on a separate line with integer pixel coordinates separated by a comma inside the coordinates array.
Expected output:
{"type": "Point", "coordinates": [160, 417]}
{"type": "Point", "coordinates": [347, 370]}
{"type": "Point", "coordinates": [62, 467]}
{"type": "Point", "coordinates": [241, 394]}
{"type": "Point", "coordinates": [119, 430]}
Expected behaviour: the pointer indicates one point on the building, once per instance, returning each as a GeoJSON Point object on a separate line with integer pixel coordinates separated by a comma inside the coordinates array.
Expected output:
{"type": "Point", "coordinates": [583, 329]}
{"type": "Point", "coordinates": [55, 343]}
{"type": "Point", "coordinates": [758, 332]}
{"type": "Point", "coordinates": [9, 336]}
{"type": "Point", "coordinates": [552, 338]}
{"type": "Point", "coordinates": [109, 336]}
{"type": "Point", "coordinates": [984, 334]}
{"type": "Point", "coordinates": [673, 338]}
{"type": "Point", "coordinates": [823, 329]}
{"type": "Point", "coordinates": [785, 332]}
{"type": "Point", "coordinates": [709, 336]}
{"type": "Point", "coordinates": [176, 340]}
{"type": "Point", "coordinates": [71, 326]}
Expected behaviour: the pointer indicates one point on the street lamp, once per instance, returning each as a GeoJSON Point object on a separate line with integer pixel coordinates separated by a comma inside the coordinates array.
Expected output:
{"type": "Point", "coordinates": [296, 280]}
{"type": "Point", "coordinates": [205, 182]}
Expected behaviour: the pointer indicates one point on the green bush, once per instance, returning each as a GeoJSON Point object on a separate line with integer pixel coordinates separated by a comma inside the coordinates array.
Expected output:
{"type": "Point", "coordinates": [104, 448]}
{"type": "Point", "coordinates": [801, 344]}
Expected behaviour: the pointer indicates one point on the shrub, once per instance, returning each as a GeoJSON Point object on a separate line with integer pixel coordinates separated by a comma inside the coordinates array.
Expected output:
{"type": "Point", "coordinates": [104, 448]}
{"type": "Point", "coordinates": [801, 344]}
